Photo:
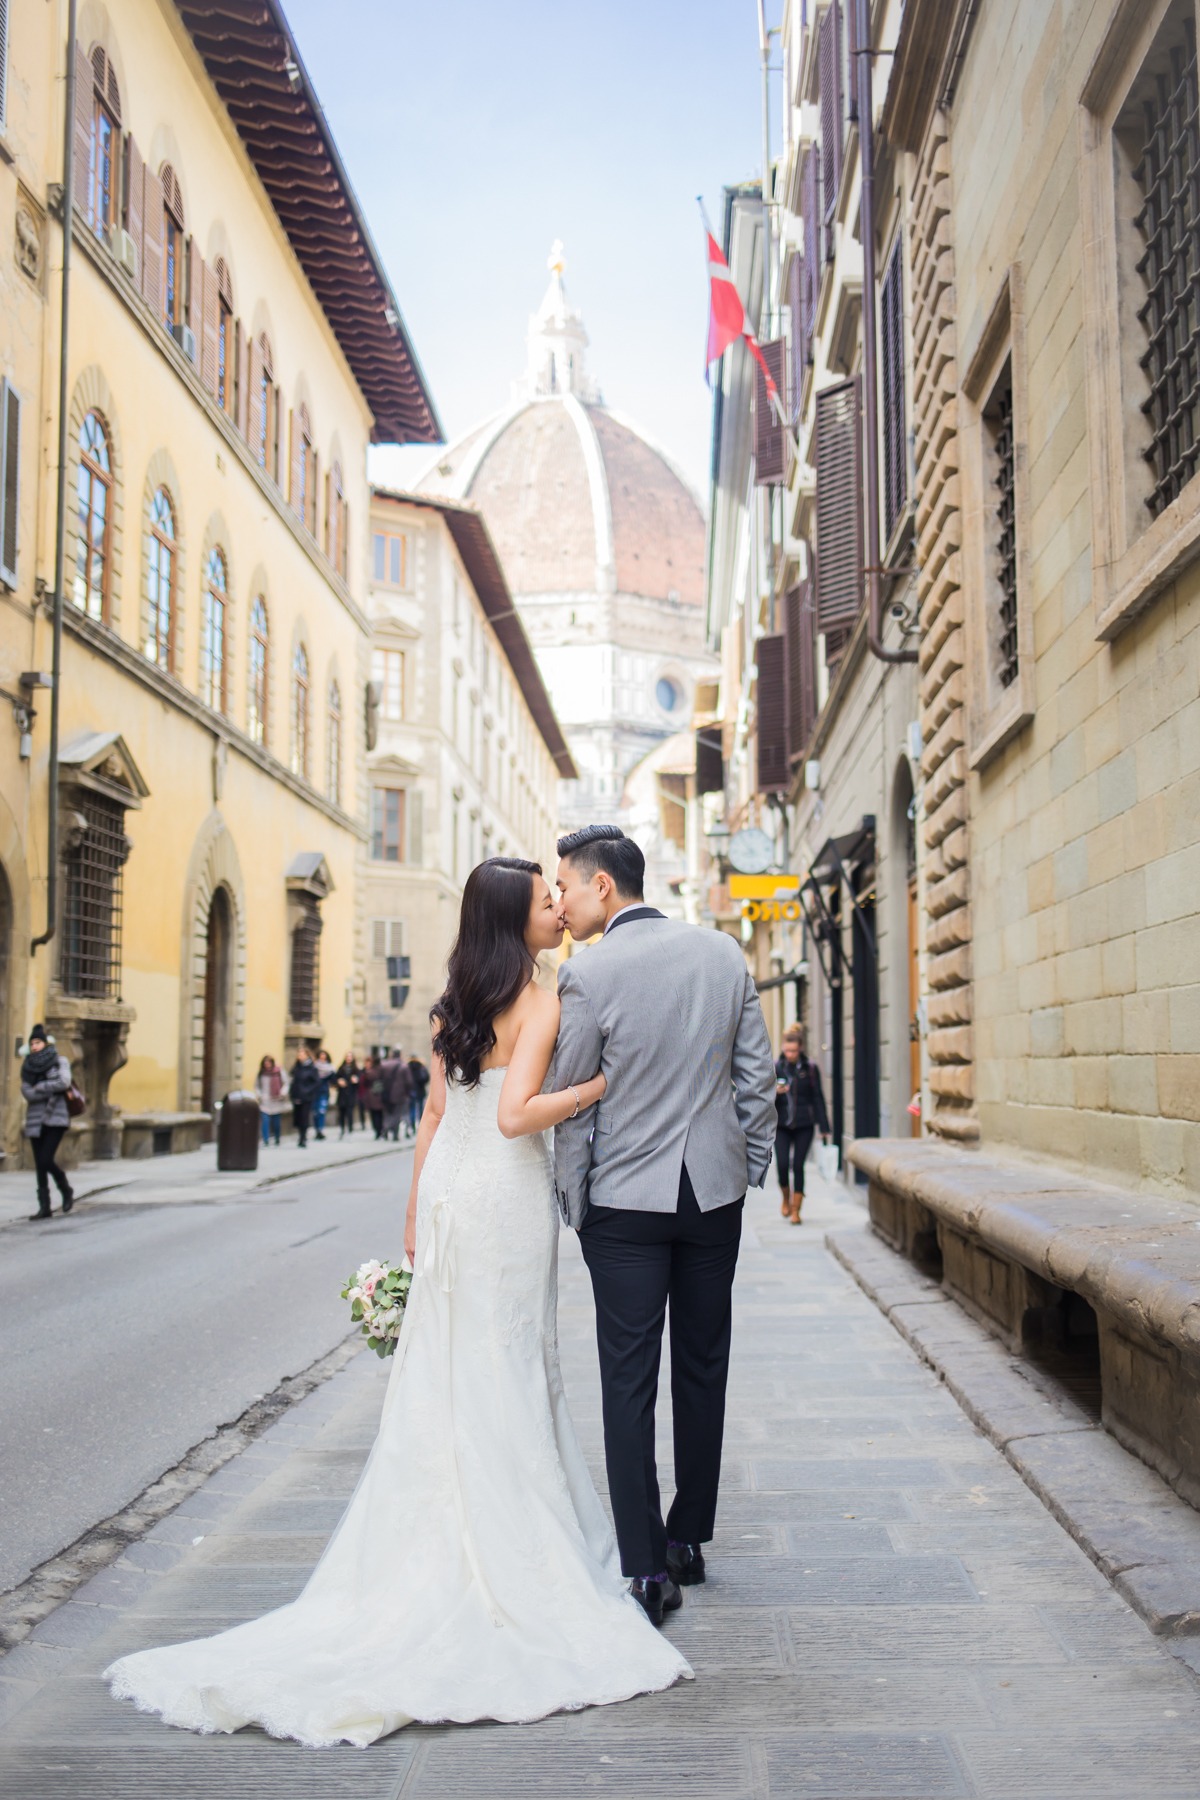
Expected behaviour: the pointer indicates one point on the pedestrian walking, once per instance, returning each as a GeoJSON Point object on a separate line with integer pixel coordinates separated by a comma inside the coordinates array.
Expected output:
{"type": "Point", "coordinates": [305, 1084]}
{"type": "Point", "coordinates": [324, 1067]}
{"type": "Point", "coordinates": [396, 1091]}
{"type": "Point", "coordinates": [345, 1086]}
{"type": "Point", "coordinates": [799, 1109]}
{"type": "Point", "coordinates": [370, 1090]}
{"type": "Point", "coordinates": [45, 1081]}
{"type": "Point", "coordinates": [271, 1087]}
{"type": "Point", "coordinates": [418, 1076]}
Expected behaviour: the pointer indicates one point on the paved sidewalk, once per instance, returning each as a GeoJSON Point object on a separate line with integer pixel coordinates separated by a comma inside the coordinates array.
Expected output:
{"type": "Point", "coordinates": [890, 1612]}
{"type": "Point", "coordinates": [192, 1176]}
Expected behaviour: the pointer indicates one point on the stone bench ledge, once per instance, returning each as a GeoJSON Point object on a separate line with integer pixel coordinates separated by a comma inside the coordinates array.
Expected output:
{"type": "Point", "coordinates": [158, 1121]}
{"type": "Point", "coordinates": [1010, 1240]}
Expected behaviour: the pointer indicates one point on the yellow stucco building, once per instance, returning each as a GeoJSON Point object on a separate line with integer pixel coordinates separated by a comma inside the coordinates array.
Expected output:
{"type": "Point", "coordinates": [233, 347]}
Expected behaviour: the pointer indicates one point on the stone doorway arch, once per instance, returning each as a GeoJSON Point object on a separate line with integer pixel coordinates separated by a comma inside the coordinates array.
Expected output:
{"type": "Point", "coordinates": [212, 1008]}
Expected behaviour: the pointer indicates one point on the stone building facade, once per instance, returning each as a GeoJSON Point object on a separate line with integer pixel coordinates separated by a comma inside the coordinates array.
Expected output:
{"type": "Point", "coordinates": [465, 757]}
{"type": "Point", "coordinates": [1058, 540]}
{"type": "Point", "coordinates": [225, 373]}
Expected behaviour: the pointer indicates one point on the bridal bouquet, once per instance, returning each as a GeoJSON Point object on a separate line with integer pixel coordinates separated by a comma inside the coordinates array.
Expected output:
{"type": "Point", "coordinates": [378, 1292]}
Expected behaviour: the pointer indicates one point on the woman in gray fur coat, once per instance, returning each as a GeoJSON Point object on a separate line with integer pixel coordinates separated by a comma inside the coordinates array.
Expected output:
{"type": "Point", "coordinates": [45, 1078]}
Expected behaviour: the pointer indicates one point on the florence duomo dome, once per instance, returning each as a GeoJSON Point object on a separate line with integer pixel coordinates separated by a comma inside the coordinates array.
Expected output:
{"type": "Point", "coordinates": [603, 543]}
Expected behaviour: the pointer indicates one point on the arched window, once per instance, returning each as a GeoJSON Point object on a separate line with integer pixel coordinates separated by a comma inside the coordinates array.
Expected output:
{"type": "Point", "coordinates": [104, 178]}
{"type": "Point", "coordinates": [173, 248]}
{"type": "Point", "coordinates": [94, 504]}
{"type": "Point", "coordinates": [212, 630]}
{"type": "Point", "coordinates": [256, 712]}
{"type": "Point", "coordinates": [227, 344]}
{"type": "Point", "coordinates": [333, 770]}
{"type": "Point", "coordinates": [300, 718]}
{"type": "Point", "coordinates": [160, 582]}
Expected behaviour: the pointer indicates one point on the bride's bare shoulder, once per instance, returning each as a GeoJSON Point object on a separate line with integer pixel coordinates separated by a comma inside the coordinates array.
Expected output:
{"type": "Point", "coordinates": [537, 1004]}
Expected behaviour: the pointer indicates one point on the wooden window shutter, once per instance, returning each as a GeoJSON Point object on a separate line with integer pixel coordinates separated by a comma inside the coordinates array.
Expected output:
{"type": "Point", "coordinates": [852, 61]}
{"type": "Point", "coordinates": [211, 317]}
{"type": "Point", "coordinates": [797, 347]}
{"type": "Point", "coordinates": [330, 526]}
{"type": "Point", "coordinates": [799, 629]}
{"type": "Point", "coordinates": [85, 102]}
{"type": "Point", "coordinates": [810, 209]}
{"type": "Point", "coordinates": [772, 715]}
{"type": "Point", "coordinates": [134, 193]}
{"type": "Point", "coordinates": [152, 245]}
{"type": "Point", "coordinates": [344, 542]}
{"type": "Point", "coordinates": [829, 71]}
{"type": "Point", "coordinates": [296, 453]}
{"type": "Point", "coordinates": [770, 447]}
{"type": "Point", "coordinates": [895, 436]}
{"type": "Point", "coordinates": [254, 406]}
{"type": "Point", "coordinates": [710, 764]}
{"type": "Point", "coordinates": [10, 480]}
{"type": "Point", "coordinates": [195, 292]}
{"type": "Point", "coordinates": [839, 504]}
{"type": "Point", "coordinates": [415, 810]}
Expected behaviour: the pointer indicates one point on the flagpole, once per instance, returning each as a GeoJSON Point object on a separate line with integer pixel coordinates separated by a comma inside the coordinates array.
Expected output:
{"type": "Point", "coordinates": [765, 310]}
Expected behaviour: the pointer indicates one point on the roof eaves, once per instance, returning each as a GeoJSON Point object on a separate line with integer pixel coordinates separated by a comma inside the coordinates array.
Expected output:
{"type": "Point", "coordinates": [474, 543]}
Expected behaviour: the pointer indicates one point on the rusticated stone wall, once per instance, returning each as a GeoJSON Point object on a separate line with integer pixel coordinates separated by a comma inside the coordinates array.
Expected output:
{"type": "Point", "coordinates": [943, 652]}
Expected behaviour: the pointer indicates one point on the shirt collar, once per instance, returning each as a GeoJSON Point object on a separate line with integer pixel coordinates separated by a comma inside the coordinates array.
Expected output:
{"type": "Point", "coordinates": [629, 907]}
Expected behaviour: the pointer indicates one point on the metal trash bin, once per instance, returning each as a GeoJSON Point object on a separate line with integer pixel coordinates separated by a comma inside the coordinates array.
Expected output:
{"type": "Point", "coordinates": [237, 1132]}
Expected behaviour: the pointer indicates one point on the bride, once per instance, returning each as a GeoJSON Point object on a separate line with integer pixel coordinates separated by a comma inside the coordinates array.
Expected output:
{"type": "Point", "coordinates": [473, 1574]}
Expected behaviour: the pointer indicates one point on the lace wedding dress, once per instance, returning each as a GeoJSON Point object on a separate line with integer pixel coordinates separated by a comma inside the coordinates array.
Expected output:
{"type": "Point", "coordinates": [473, 1574]}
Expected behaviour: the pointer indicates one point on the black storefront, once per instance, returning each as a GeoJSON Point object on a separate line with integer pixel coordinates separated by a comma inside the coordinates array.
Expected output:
{"type": "Point", "coordinates": [838, 896]}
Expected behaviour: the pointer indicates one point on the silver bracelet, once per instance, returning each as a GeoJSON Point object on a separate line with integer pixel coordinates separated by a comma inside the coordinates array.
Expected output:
{"type": "Point", "coordinates": [575, 1091]}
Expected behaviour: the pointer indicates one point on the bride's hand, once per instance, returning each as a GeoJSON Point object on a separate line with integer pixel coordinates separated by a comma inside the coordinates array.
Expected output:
{"type": "Point", "coordinates": [591, 1092]}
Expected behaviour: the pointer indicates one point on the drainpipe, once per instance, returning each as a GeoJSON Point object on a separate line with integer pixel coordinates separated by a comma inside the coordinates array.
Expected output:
{"type": "Point", "coordinates": [60, 544]}
{"type": "Point", "coordinates": [866, 151]}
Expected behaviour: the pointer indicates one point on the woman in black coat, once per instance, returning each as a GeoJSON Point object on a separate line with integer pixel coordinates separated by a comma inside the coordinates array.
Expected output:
{"type": "Point", "coordinates": [800, 1106]}
{"type": "Point", "coordinates": [45, 1078]}
{"type": "Point", "coordinates": [304, 1085]}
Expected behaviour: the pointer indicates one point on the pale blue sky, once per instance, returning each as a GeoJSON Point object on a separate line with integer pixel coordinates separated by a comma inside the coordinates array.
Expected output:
{"type": "Point", "coordinates": [477, 132]}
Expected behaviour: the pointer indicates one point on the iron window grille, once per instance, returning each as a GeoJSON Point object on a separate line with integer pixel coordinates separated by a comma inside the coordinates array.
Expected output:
{"type": "Point", "coordinates": [1167, 174]}
{"type": "Point", "coordinates": [1000, 419]}
{"type": "Point", "coordinates": [91, 945]}
{"type": "Point", "coordinates": [305, 983]}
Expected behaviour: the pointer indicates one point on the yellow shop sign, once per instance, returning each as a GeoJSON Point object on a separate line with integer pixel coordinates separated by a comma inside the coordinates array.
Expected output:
{"type": "Point", "coordinates": [757, 895]}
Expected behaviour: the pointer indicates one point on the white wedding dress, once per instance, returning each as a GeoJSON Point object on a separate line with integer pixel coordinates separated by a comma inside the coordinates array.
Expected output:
{"type": "Point", "coordinates": [474, 1573]}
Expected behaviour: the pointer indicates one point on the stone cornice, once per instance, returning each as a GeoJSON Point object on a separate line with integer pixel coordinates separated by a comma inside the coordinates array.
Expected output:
{"type": "Point", "coordinates": [927, 30]}
{"type": "Point", "coordinates": [106, 643]}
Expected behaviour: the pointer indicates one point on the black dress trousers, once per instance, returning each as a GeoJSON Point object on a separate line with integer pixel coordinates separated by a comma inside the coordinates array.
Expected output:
{"type": "Point", "coordinates": [639, 1262]}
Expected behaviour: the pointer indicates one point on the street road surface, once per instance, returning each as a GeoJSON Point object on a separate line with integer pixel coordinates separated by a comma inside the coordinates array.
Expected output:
{"type": "Point", "coordinates": [129, 1333]}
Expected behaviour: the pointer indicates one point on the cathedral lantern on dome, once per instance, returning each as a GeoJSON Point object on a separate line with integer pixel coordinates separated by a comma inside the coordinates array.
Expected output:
{"type": "Point", "coordinates": [557, 342]}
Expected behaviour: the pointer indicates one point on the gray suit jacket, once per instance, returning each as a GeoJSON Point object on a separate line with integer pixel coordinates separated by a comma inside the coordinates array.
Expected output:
{"type": "Point", "coordinates": [671, 1015]}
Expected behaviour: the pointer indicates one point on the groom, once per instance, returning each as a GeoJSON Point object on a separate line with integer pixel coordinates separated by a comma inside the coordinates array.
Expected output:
{"type": "Point", "coordinates": [654, 1180]}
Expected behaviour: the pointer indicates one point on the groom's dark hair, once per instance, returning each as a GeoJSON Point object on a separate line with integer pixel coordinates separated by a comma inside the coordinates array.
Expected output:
{"type": "Point", "coordinates": [606, 847]}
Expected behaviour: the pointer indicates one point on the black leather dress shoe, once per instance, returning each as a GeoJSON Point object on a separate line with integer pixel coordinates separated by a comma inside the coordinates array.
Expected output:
{"type": "Point", "coordinates": [656, 1597]}
{"type": "Point", "coordinates": [685, 1564]}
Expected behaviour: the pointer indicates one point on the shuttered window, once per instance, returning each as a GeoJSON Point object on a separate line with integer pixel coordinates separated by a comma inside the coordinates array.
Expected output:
{"type": "Point", "coordinates": [800, 634]}
{"type": "Point", "coordinates": [829, 76]}
{"type": "Point", "coordinates": [173, 279]}
{"type": "Point", "coordinates": [10, 479]}
{"type": "Point", "coordinates": [387, 938]}
{"type": "Point", "coordinates": [387, 824]}
{"type": "Point", "coordinates": [305, 985]}
{"type": "Point", "coordinates": [387, 673]}
{"type": "Point", "coordinates": [710, 766]}
{"type": "Point", "coordinates": [839, 547]}
{"type": "Point", "coordinates": [97, 139]}
{"type": "Point", "coordinates": [772, 714]}
{"type": "Point", "coordinates": [810, 207]}
{"type": "Point", "coordinates": [891, 368]}
{"type": "Point", "coordinates": [770, 446]}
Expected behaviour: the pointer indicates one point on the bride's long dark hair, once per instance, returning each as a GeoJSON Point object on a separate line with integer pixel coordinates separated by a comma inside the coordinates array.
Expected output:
{"type": "Point", "coordinates": [490, 963]}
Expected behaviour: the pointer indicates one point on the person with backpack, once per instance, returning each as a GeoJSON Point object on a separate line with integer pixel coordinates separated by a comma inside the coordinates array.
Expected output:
{"type": "Point", "coordinates": [45, 1083]}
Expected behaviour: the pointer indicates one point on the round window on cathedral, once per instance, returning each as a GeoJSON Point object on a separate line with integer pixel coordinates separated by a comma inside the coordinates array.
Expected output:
{"type": "Point", "coordinates": [668, 693]}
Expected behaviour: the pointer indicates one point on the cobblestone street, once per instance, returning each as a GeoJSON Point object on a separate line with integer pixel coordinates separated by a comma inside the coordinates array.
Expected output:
{"type": "Point", "coordinates": [890, 1612]}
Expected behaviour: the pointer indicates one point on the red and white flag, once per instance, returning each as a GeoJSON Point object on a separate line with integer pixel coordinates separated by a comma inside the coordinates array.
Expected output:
{"type": "Point", "coordinates": [727, 317]}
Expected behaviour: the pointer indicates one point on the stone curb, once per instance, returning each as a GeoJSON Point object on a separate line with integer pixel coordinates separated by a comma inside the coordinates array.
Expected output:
{"type": "Point", "coordinates": [1135, 1528]}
